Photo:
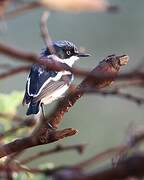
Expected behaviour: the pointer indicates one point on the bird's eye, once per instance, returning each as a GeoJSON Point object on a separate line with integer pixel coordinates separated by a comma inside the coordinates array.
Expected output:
{"type": "Point", "coordinates": [68, 53]}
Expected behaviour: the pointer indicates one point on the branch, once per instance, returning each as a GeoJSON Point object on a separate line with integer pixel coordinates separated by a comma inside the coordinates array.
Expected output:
{"type": "Point", "coordinates": [116, 92]}
{"type": "Point", "coordinates": [104, 66]}
{"type": "Point", "coordinates": [102, 156]}
{"type": "Point", "coordinates": [134, 139]}
{"type": "Point", "coordinates": [5, 66]}
{"type": "Point", "coordinates": [31, 141]}
{"type": "Point", "coordinates": [14, 71]}
{"type": "Point", "coordinates": [131, 167]}
{"type": "Point", "coordinates": [59, 148]}
{"type": "Point", "coordinates": [34, 58]}
{"type": "Point", "coordinates": [44, 135]}
{"type": "Point", "coordinates": [44, 32]}
{"type": "Point", "coordinates": [18, 54]}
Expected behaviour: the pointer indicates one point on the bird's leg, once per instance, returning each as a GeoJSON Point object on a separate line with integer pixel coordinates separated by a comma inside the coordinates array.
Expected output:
{"type": "Point", "coordinates": [51, 127]}
{"type": "Point", "coordinates": [43, 114]}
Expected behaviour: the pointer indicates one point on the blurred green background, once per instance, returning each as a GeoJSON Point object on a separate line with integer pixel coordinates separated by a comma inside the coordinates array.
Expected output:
{"type": "Point", "coordinates": [102, 121]}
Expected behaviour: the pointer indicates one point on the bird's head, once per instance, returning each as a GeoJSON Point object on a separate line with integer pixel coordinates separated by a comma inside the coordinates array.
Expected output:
{"type": "Point", "coordinates": [65, 52]}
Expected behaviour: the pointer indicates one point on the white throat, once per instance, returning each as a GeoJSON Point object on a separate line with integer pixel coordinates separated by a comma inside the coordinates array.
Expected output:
{"type": "Point", "coordinates": [70, 61]}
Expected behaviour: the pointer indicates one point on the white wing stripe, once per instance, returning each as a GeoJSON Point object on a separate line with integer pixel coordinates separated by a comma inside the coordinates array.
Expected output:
{"type": "Point", "coordinates": [56, 78]}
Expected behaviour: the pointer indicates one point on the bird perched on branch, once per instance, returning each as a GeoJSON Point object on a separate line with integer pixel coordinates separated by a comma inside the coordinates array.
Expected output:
{"type": "Point", "coordinates": [44, 86]}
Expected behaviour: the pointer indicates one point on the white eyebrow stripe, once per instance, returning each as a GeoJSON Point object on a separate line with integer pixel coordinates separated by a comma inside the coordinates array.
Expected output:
{"type": "Point", "coordinates": [56, 78]}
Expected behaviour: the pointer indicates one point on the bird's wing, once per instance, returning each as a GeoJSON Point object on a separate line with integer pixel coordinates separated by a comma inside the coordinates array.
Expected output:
{"type": "Point", "coordinates": [36, 81]}
{"type": "Point", "coordinates": [41, 83]}
{"type": "Point", "coordinates": [53, 86]}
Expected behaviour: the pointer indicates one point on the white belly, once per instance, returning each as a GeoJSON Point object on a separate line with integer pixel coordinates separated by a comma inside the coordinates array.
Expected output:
{"type": "Point", "coordinates": [55, 95]}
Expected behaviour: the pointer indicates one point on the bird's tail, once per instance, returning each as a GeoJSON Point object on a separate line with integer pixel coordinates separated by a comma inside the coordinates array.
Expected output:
{"type": "Point", "coordinates": [33, 108]}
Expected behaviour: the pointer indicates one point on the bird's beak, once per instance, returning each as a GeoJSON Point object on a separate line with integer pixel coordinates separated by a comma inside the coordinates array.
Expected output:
{"type": "Point", "coordinates": [82, 54]}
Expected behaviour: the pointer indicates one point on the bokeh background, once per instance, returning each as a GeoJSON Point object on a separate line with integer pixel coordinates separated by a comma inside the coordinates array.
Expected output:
{"type": "Point", "coordinates": [102, 121]}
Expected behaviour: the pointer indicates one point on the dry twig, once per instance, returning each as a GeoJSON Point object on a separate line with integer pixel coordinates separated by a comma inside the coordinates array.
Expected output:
{"type": "Point", "coordinates": [59, 148]}
{"type": "Point", "coordinates": [116, 92]}
{"type": "Point", "coordinates": [44, 32]}
{"type": "Point", "coordinates": [14, 71]}
{"type": "Point", "coordinates": [131, 167]}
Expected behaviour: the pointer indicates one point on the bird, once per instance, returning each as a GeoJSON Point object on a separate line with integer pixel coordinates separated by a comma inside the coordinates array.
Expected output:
{"type": "Point", "coordinates": [43, 86]}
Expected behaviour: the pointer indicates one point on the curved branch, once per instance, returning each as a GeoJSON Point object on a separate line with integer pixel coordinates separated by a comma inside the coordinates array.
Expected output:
{"type": "Point", "coordinates": [117, 93]}
{"type": "Point", "coordinates": [59, 148]}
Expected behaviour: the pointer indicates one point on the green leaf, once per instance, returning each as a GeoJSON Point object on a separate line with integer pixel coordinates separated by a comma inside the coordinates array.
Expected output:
{"type": "Point", "coordinates": [10, 102]}
{"type": "Point", "coordinates": [23, 176]}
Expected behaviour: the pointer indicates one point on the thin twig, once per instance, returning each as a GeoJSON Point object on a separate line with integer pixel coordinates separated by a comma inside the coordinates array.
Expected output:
{"type": "Point", "coordinates": [59, 148]}
{"type": "Point", "coordinates": [14, 71]}
{"type": "Point", "coordinates": [44, 32]}
{"type": "Point", "coordinates": [5, 66]}
{"type": "Point", "coordinates": [134, 140]}
{"type": "Point", "coordinates": [102, 156]}
{"type": "Point", "coordinates": [129, 83]}
{"type": "Point", "coordinates": [116, 92]}
{"type": "Point", "coordinates": [130, 167]}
